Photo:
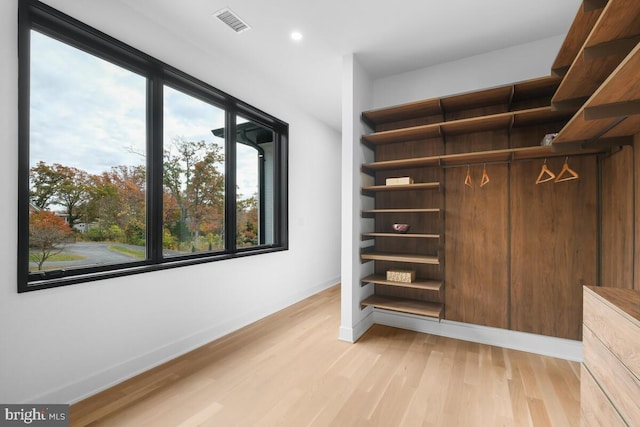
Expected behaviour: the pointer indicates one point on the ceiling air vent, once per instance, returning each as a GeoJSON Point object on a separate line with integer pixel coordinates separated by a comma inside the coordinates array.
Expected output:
{"type": "Point", "coordinates": [232, 20]}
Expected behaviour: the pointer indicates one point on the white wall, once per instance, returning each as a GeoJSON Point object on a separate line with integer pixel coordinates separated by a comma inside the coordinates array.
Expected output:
{"type": "Point", "coordinates": [62, 344]}
{"type": "Point", "coordinates": [356, 97]}
{"type": "Point", "coordinates": [504, 66]}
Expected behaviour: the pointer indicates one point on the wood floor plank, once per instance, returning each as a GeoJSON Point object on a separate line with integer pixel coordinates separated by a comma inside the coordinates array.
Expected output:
{"type": "Point", "coordinates": [290, 370]}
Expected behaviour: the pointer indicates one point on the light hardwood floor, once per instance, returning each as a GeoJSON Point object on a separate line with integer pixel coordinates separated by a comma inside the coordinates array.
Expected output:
{"type": "Point", "coordinates": [290, 370]}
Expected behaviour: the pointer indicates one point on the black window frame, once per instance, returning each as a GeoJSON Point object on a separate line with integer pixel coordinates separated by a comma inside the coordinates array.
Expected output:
{"type": "Point", "coordinates": [34, 15]}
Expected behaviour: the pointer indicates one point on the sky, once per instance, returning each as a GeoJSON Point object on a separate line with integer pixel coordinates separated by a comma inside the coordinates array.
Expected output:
{"type": "Point", "coordinates": [90, 114]}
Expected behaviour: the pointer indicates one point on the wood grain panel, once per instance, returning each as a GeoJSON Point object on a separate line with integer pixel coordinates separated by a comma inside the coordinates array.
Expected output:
{"type": "Point", "coordinates": [618, 383]}
{"type": "Point", "coordinates": [595, 408]}
{"type": "Point", "coordinates": [616, 252]}
{"type": "Point", "coordinates": [532, 136]}
{"type": "Point", "coordinates": [553, 247]}
{"type": "Point", "coordinates": [476, 271]}
{"type": "Point", "coordinates": [409, 150]}
{"type": "Point", "coordinates": [477, 141]}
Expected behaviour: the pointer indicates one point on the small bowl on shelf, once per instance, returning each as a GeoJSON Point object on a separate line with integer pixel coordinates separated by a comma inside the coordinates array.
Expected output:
{"type": "Point", "coordinates": [400, 228]}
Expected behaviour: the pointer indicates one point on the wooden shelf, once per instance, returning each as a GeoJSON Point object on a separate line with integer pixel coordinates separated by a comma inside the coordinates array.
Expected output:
{"type": "Point", "coordinates": [463, 101]}
{"type": "Point", "coordinates": [407, 187]}
{"type": "Point", "coordinates": [406, 111]}
{"type": "Point", "coordinates": [614, 35]}
{"type": "Point", "coordinates": [403, 235]}
{"type": "Point", "coordinates": [580, 29]}
{"type": "Point", "coordinates": [619, 20]}
{"type": "Point", "coordinates": [507, 120]}
{"type": "Point", "coordinates": [535, 88]}
{"type": "Point", "coordinates": [383, 256]}
{"type": "Point", "coordinates": [614, 108]}
{"type": "Point", "coordinates": [380, 211]}
{"type": "Point", "coordinates": [617, 90]}
{"type": "Point", "coordinates": [439, 106]}
{"type": "Point", "coordinates": [421, 308]}
{"type": "Point", "coordinates": [427, 285]}
{"type": "Point", "coordinates": [505, 155]}
{"type": "Point", "coordinates": [404, 134]}
{"type": "Point", "coordinates": [371, 213]}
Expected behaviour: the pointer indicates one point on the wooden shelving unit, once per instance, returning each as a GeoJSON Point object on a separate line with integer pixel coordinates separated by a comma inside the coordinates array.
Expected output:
{"type": "Point", "coordinates": [612, 111]}
{"type": "Point", "coordinates": [592, 101]}
{"type": "Point", "coordinates": [523, 105]}
{"type": "Point", "coordinates": [615, 33]}
{"type": "Point", "coordinates": [420, 308]}
{"type": "Point", "coordinates": [588, 99]}
{"type": "Point", "coordinates": [510, 95]}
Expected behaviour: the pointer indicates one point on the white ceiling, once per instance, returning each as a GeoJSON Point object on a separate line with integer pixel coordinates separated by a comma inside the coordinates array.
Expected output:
{"type": "Point", "coordinates": [389, 37]}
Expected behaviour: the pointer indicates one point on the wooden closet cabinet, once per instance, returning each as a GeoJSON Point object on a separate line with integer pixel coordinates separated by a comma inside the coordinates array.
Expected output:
{"type": "Point", "coordinates": [459, 232]}
{"type": "Point", "coordinates": [510, 253]}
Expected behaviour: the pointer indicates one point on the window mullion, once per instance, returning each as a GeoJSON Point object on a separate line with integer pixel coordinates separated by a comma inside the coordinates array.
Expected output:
{"type": "Point", "coordinates": [281, 186]}
{"type": "Point", "coordinates": [155, 149]}
{"type": "Point", "coordinates": [230, 181]}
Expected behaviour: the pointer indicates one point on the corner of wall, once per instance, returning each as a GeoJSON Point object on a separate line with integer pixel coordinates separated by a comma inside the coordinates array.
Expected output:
{"type": "Point", "coordinates": [356, 96]}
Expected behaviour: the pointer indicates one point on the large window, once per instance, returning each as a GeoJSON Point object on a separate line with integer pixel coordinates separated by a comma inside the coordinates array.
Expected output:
{"type": "Point", "coordinates": [128, 165]}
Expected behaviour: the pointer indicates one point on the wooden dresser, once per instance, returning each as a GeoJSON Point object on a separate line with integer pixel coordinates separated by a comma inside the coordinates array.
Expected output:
{"type": "Point", "coordinates": [610, 377]}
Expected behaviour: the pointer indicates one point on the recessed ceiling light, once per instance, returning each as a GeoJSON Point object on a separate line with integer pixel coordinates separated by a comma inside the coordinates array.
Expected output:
{"type": "Point", "coordinates": [296, 36]}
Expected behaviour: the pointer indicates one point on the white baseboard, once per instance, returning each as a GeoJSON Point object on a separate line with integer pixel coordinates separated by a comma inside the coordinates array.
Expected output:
{"type": "Point", "coordinates": [102, 380]}
{"type": "Point", "coordinates": [353, 334]}
{"type": "Point", "coordinates": [531, 343]}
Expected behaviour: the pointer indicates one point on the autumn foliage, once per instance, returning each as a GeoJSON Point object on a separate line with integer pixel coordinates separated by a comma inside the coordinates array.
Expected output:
{"type": "Point", "coordinates": [112, 206]}
{"type": "Point", "coordinates": [48, 234]}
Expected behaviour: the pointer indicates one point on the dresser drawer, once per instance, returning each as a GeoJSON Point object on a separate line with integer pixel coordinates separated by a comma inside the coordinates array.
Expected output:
{"type": "Point", "coordinates": [618, 383]}
{"type": "Point", "coordinates": [595, 408]}
{"type": "Point", "coordinates": [618, 329]}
